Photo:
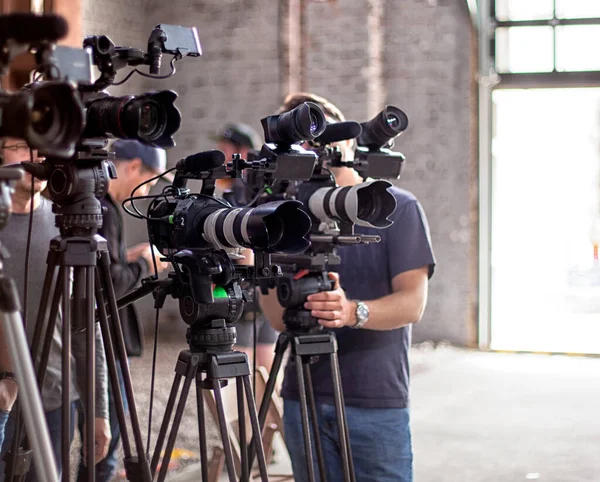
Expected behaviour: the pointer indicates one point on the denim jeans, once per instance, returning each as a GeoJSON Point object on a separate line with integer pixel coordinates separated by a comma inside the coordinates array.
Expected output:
{"type": "Point", "coordinates": [106, 468]}
{"type": "Point", "coordinates": [53, 419]}
{"type": "Point", "coordinates": [380, 441]}
{"type": "Point", "coordinates": [3, 419]}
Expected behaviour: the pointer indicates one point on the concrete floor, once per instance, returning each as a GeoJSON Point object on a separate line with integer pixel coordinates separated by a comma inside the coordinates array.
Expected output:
{"type": "Point", "coordinates": [497, 417]}
{"type": "Point", "coordinates": [476, 417]}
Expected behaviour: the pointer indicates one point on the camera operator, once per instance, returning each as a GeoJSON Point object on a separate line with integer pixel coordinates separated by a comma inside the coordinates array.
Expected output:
{"type": "Point", "coordinates": [380, 291]}
{"type": "Point", "coordinates": [14, 151]}
{"type": "Point", "coordinates": [239, 138]}
{"type": "Point", "coordinates": [8, 385]}
{"type": "Point", "coordinates": [135, 163]}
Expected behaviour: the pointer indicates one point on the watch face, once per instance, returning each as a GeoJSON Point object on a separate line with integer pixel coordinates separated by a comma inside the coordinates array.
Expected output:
{"type": "Point", "coordinates": [362, 312]}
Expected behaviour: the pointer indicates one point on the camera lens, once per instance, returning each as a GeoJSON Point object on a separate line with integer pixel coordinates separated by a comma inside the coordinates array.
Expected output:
{"type": "Point", "coordinates": [279, 226]}
{"type": "Point", "coordinates": [302, 123]}
{"type": "Point", "coordinates": [393, 121]}
{"type": "Point", "coordinates": [380, 130]}
{"type": "Point", "coordinates": [48, 116]}
{"type": "Point", "coordinates": [151, 118]}
{"type": "Point", "coordinates": [366, 204]}
{"type": "Point", "coordinates": [42, 116]}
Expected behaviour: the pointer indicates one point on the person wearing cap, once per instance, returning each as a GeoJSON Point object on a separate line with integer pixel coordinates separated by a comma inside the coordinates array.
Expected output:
{"type": "Point", "coordinates": [135, 163]}
{"type": "Point", "coordinates": [239, 138]}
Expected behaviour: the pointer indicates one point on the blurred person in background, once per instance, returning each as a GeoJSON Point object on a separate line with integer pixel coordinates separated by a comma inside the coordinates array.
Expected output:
{"type": "Point", "coordinates": [43, 230]}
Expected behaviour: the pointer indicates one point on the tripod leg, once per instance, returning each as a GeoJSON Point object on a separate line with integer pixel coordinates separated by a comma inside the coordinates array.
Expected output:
{"type": "Point", "coordinates": [202, 430]}
{"type": "Point", "coordinates": [256, 432]}
{"type": "Point", "coordinates": [141, 464]}
{"type": "Point", "coordinates": [112, 368]}
{"type": "Point", "coordinates": [90, 410]}
{"type": "Point", "coordinates": [31, 404]}
{"type": "Point", "coordinates": [66, 375]}
{"type": "Point", "coordinates": [315, 423]}
{"type": "Point", "coordinates": [282, 343]}
{"type": "Point", "coordinates": [189, 377]}
{"type": "Point", "coordinates": [242, 424]}
{"type": "Point", "coordinates": [42, 363]}
{"type": "Point", "coordinates": [344, 436]}
{"type": "Point", "coordinates": [166, 419]}
{"type": "Point", "coordinates": [47, 293]}
{"type": "Point", "coordinates": [310, 468]}
{"type": "Point", "coordinates": [223, 427]}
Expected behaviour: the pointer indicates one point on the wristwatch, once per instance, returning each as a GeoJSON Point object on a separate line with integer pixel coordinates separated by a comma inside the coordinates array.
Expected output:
{"type": "Point", "coordinates": [362, 314]}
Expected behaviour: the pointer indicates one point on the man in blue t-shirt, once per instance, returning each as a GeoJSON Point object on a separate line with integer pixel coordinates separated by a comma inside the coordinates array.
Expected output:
{"type": "Point", "coordinates": [380, 291]}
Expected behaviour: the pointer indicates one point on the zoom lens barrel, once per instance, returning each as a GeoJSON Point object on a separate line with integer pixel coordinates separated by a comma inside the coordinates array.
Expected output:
{"type": "Point", "coordinates": [48, 115]}
{"type": "Point", "coordinates": [367, 204]}
{"type": "Point", "coordinates": [151, 118]}
{"type": "Point", "coordinates": [303, 123]}
{"type": "Point", "coordinates": [279, 226]}
{"type": "Point", "coordinates": [380, 130]}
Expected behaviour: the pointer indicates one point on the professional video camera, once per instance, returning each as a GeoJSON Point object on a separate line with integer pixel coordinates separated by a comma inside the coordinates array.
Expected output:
{"type": "Point", "coordinates": [201, 235]}
{"type": "Point", "coordinates": [78, 170]}
{"type": "Point", "coordinates": [48, 116]}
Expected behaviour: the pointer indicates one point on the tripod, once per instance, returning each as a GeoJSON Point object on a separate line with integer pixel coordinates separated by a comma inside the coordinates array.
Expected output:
{"type": "Point", "coordinates": [77, 281]}
{"type": "Point", "coordinates": [210, 361]}
{"type": "Point", "coordinates": [308, 341]}
{"type": "Point", "coordinates": [29, 399]}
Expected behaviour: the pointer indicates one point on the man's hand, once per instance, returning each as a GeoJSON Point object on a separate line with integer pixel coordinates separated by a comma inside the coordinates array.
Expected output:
{"type": "Point", "coordinates": [103, 437]}
{"type": "Point", "coordinates": [144, 250]}
{"type": "Point", "coordinates": [332, 308]}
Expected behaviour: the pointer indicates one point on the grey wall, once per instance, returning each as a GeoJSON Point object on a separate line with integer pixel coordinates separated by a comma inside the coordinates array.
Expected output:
{"type": "Point", "coordinates": [425, 55]}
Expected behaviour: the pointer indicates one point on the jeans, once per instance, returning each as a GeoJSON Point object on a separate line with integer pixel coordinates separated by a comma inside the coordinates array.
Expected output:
{"type": "Point", "coordinates": [3, 419]}
{"type": "Point", "coordinates": [380, 441]}
{"type": "Point", "coordinates": [106, 468]}
{"type": "Point", "coordinates": [53, 419]}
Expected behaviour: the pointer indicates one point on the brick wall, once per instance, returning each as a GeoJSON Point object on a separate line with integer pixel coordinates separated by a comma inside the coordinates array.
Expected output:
{"type": "Point", "coordinates": [426, 51]}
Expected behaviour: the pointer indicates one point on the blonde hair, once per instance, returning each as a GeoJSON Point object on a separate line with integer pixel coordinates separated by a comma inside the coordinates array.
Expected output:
{"type": "Point", "coordinates": [295, 99]}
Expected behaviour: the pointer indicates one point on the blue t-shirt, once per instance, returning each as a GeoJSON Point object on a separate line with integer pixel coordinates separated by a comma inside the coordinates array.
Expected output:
{"type": "Point", "coordinates": [374, 364]}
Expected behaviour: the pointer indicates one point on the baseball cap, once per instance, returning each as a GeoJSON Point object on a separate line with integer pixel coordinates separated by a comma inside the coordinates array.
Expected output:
{"type": "Point", "coordinates": [239, 134]}
{"type": "Point", "coordinates": [153, 158]}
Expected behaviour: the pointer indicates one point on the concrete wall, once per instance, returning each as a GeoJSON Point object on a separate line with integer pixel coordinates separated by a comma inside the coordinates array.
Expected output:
{"type": "Point", "coordinates": [420, 62]}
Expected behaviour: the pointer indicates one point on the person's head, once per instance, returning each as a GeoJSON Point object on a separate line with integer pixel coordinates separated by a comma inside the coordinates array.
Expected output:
{"type": "Point", "coordinates": [14, 151]}
{"type": "Point", "coordinates": [136, 163]}
{"type": "Point", "coordinates": [237, 138]}
{"type": "Point", "coordinates": [344, 175]}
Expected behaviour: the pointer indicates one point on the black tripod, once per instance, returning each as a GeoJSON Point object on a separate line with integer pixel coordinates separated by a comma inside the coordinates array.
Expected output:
{"type": "Point", "coordinates": [77, 281]}
{"type": "Point", "coordinates": [210, 361]}
{"type": "Point", "coordinates": [308, 341]}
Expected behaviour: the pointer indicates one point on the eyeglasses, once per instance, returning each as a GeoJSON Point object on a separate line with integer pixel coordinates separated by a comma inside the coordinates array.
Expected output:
{"type": "Point", "coordinates": [17, 147]}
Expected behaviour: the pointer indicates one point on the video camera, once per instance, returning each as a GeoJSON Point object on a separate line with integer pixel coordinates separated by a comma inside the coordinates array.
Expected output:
{"type": "Point", "coordinates": [335, 211]}
{"type": "Point", "coordinates": [201, 235]}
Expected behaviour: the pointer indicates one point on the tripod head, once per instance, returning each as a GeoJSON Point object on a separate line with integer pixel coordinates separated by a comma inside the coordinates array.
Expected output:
{"type": "Point", "coordinates": [76, 186]}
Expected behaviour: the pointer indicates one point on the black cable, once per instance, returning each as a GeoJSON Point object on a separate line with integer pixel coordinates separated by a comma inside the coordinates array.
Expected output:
{"type": "Point", "coordinates": [256, 197]}
{"type": "Point", "coordinates": [255, 329]}
{"type": "Point", "coordinates": [134, 71]}
{"type": "Point", "coordinates": [28, 244]}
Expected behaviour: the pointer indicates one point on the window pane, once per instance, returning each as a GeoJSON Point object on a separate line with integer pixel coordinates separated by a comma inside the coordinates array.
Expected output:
{"type": "Point", "coordinates": [577, 8]}
{"type": "Point", "coordinates": [572, 47]}
{"type": "Point", "coordinates": [524, 49]}
{"type": "Point", "coordinates": [523, 9]}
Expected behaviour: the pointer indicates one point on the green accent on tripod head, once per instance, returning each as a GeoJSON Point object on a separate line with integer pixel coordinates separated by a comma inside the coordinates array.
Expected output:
{"type": "Point", "coordinates": [268, 190]}
{"type": "Point", "coordinates": [171, 219]}
{"type": "Point", "coordinates": [219, 292]}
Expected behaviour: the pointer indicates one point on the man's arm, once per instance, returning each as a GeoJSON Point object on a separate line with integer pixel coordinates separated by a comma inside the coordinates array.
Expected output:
{"type": "Point", "coordinates": [8, 387]}
{"type": "Point", "coordinates": [272, 309]}
{"type": "Point", "coordinates": [400, 308]}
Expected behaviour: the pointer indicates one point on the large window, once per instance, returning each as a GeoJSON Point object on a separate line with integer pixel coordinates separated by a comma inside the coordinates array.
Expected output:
{"type": "Point", "coordinates": [541, 41]}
